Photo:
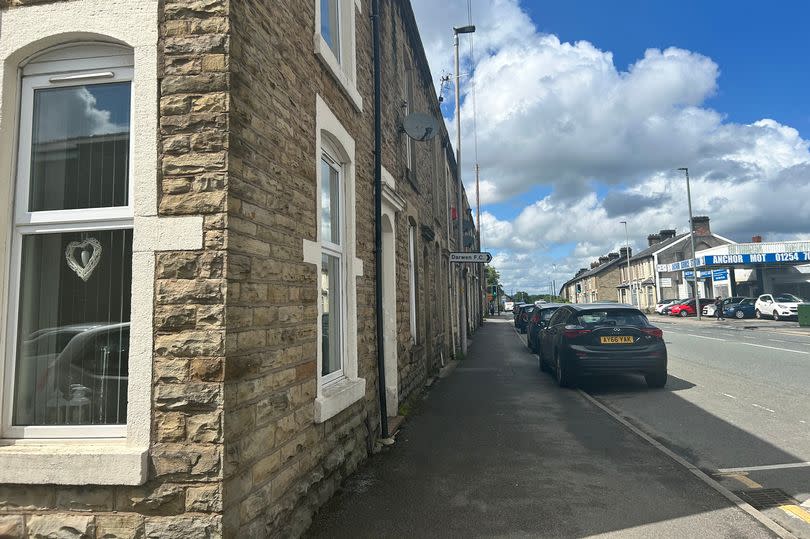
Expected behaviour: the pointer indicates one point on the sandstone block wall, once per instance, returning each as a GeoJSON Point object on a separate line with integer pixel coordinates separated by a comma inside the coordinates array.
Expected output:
{"type": "Point", "coordinates": [235, 449]}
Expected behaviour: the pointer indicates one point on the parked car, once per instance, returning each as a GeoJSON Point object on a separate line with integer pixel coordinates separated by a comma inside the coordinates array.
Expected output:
{"type": "Point", "coordinates": [600, 338]}
{"type": "Point", "coordinates": [709, 309]}
{"type": "Point", "coordinates": [687, 308]}
{"type": "Point", "coordinates": [666, 310]}
{"type": "Point", "coordinates": [539, 319]}
{"type": "Point", "coordinates": [777, 307]}
{"type": "Point", "coordinates": [522, 318]}
{"type": "Point", "coordinates": [659, 308]}
{"type": "Point", "coordinates": [742, 309]}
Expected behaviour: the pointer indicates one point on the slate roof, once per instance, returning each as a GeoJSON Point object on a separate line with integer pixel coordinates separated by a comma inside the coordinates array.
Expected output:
{"type": "Point", "coordinates": [657, 247]}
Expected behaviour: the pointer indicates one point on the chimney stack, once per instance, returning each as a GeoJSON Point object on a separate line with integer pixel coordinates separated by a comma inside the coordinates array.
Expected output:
{"type": "Point", "coordinates": [652, 239]}
{"type": "Point", "coordinates": [613, 256]}
{"type": "Point", "coordinates": [594, 264]}
{"type": "Point", "coordinates": [667, 234]}
{"type": "Point", "coordinates": [625, 252]}
{"type": "Point", "coordinates": [700, 226]}
{"type": "Point", "coordinates": [603, 259]}
{"type": "Point", "coordinates": [756, 239]}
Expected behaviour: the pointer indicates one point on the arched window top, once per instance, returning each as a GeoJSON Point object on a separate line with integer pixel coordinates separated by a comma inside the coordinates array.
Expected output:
{"type": "Point", "coordinates": [79, 57]}
{"type": "Point", "coordinates": [330, 145]}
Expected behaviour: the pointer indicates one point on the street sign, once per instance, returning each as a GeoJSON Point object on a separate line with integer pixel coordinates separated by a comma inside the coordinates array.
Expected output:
{"type": "Point", "coordinates": [476, 258]}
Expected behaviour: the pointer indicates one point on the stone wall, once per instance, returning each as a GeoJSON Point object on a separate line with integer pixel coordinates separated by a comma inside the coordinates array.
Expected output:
{"type": "Point", "coordinates": [235, 450]}
{"type": "Point", "coordinates": [183, 494]}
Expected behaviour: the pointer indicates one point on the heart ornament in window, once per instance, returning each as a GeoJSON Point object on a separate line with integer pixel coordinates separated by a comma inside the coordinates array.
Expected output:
{"type": "Point", "coordinates": [89, 251]}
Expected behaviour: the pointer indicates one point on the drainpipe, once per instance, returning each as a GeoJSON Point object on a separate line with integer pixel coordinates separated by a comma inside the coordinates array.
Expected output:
{"type": "Point", "coordinates": [378, 273]}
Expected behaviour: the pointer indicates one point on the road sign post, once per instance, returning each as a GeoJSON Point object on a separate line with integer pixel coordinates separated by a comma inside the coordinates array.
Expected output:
{"type": "Point", "coordinates": [474, 258]}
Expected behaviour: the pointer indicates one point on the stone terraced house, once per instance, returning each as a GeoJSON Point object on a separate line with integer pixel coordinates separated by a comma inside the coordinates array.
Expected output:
{"type": "Point", "coordinates": [187, 260]}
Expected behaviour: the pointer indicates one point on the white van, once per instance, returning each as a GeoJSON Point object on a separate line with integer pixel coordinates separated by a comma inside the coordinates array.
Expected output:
{"type": "Point", "coordinates": [508, 306]}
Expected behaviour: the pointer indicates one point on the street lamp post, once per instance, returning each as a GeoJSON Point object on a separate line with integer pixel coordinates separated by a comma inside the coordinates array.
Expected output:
{"type": "Point", "coordinates": [460, 235]}
{"type": "Point", "coordinates": [627, 252]}
{"type": "Point", "coordinates": [692, 240]}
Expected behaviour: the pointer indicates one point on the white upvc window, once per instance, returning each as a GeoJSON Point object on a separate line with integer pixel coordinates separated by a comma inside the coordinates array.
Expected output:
{"type": "Point", "coordinates": [335, 43]}
{"type": "Point", "coordinates": [410, 149]}
{"type": "Point", "coordinates": [412, 279]}
{"type": "Point", "coordinates": [67, 355]}
{"type": "Point", "coordinates": [333, 272]}
{"type": "Point", "coordinates": [333, 254]}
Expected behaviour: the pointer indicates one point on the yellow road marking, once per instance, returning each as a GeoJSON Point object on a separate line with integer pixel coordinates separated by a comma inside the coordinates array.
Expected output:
{"type": "Point", "coordinates": [796, 511]}
{"type": "Point", "coordinates": [745, 480]}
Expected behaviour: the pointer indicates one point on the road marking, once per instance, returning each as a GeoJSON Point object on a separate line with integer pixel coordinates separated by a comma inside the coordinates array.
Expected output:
{"type": "Point", "coordinates": [744, 479]}
{"type": "Point", "coordinates": [775, 348]}
{"type": "Point", "coordinates": [730, 496]}
{"type": "Point", "coordinates": [796, 511]}
{"type": "Point", "coordinates": [763, 408]}
{"type": "Point", "coordinates": [729, 396]}
{"type": "Point", "coordinates": [702, 337]}
{"type": "Point", "coordinates": [766, 467]}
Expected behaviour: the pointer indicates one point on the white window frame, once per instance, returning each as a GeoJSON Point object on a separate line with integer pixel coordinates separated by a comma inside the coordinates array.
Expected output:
{"type": "Point", "coordinates": [64, 28]}
{"type": "Point", "coordinates": [412, 280]}
{"type": "Point", "coordinates": [343, 67]}
{"type": "Point", "coordinates": [410, 149]}
{"type": "Point", "coordinates": [335, 395]}
{"type": "Point", "coordinates": [336, 250]}
{"type": "Point", "coordinates": [56, 74]}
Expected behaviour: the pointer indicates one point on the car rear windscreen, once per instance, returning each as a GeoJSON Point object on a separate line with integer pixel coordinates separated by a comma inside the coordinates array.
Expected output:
{"type": "Point", "coordinates": [612, 317]}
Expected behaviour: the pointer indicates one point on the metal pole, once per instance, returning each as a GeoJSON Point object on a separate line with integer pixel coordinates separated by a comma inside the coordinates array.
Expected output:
{"type": "Point", "coordinates": [462, 315]}
{"type": "Point", "coordinates": [627, 247]}
{"type": "Point", "coordinates": [378, 273]}
{"type": "Point", "coordinates": [692, 240]}
{"type": "Point", "coordinates": [482, 279]}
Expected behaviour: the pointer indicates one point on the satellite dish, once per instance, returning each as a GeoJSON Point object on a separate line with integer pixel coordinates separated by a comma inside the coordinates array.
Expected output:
{"type": "Point", "coordinates": [420, 126]}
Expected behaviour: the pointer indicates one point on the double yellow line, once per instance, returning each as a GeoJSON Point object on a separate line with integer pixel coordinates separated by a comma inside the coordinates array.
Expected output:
{"type": "Point", "coordinates": [791, 509]}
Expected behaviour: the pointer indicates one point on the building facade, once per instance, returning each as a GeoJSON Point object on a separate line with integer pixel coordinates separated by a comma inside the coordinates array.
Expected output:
{"type": "Point", "coordinates": [599, 282]}
{"type": "Point", "coordinates": [188, 259]}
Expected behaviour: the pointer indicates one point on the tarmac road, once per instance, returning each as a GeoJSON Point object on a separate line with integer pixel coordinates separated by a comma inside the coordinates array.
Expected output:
{"type": "Point", "coordinates": [498, 450]}
{"type": "Point", "coordinates": [737, 405]}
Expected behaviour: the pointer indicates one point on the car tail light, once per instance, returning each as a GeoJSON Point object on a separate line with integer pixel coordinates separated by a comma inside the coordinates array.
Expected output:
{"type": "Point", "coordinates": [572, 332]}
{"type": "Point", "coordinates": [653, 332]}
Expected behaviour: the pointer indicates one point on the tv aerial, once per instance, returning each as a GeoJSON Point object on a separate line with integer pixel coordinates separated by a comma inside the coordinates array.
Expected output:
{"type": "Point", "coordinates": [420, 126]}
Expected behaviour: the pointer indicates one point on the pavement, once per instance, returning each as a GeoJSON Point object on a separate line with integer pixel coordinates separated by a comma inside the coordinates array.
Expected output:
{"type": "Point", "coordinates": [497, 450]}
{"type": "Point", "coordinates": [785, 327]}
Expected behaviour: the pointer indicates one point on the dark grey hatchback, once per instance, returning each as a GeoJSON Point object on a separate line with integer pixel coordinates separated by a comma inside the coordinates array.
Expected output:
{"type": "Point", "coordinates": [602, 338]}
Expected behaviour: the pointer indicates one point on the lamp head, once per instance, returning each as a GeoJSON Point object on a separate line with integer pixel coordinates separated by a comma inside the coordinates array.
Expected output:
{"type": "Point", "coordinates": [464, 29]}
{"type": "Point", "coordinates": [683, 169]}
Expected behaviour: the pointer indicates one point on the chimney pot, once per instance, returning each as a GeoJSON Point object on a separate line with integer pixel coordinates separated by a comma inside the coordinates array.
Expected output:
{"type": "Point", "coordinates": [652, 239]}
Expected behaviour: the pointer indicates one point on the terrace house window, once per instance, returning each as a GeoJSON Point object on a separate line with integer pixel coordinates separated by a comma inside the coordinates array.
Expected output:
{"type": "Point", "coordinates": [335, 43]}
{"type": "Point", "coordinates": [66, 370]}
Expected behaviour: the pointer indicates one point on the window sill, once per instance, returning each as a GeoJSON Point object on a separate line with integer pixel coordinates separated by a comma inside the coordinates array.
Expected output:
{"type": "Point", "coordinates": [338, 396]}
{"type": "Point", "coordinates": [348, 86]}
{"type": "Point", "coordinates": [72, 462]}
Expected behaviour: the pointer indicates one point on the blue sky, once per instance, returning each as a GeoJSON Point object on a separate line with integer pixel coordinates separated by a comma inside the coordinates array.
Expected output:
{"type": "Point", "coordinates": [762, 48]}
{"type": "Point", "coordinates": [586, 108]}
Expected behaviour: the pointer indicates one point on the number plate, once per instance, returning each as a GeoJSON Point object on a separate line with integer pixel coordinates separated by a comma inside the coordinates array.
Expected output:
{"type": "Point", "coordinates": [618, 339]}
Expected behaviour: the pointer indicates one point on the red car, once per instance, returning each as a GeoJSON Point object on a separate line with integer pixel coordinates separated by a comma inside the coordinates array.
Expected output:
{"type": "Point", "coordinates": [687, 308]}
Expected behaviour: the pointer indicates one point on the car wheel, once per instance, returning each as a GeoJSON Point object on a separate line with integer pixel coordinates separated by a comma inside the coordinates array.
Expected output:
{"type": "Point", "coordinates": [739, 314]}
{"type": "Point", "coordinates": [656, 380]}
{"type": "Point", "coordinates": [684, 314]}
{"type": "Point", "coordinates": [776, 316]}
{"type": "Point", "coordinates": [758, 315]}
{"type": "Point", "coordinates": [564, 378]}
